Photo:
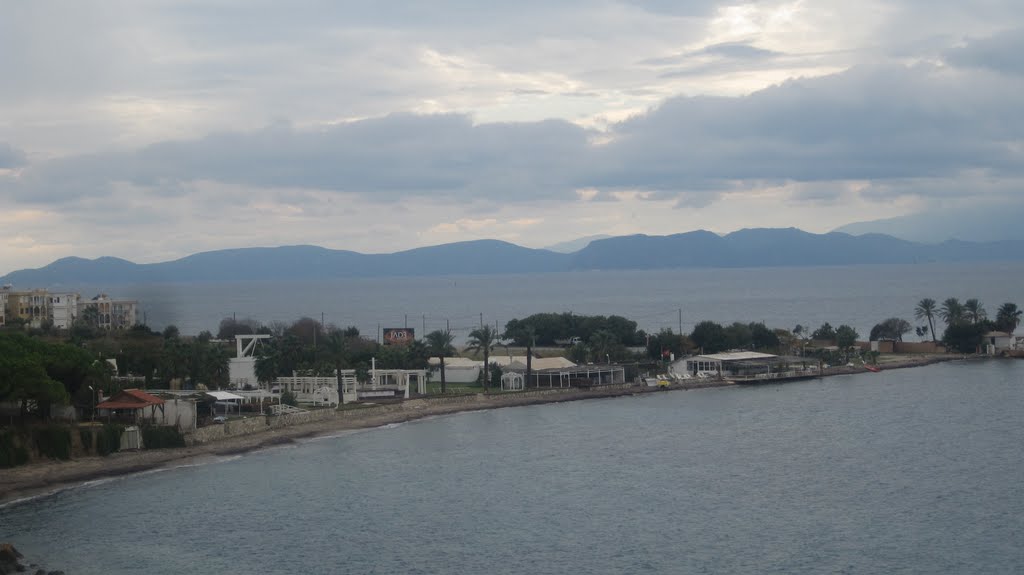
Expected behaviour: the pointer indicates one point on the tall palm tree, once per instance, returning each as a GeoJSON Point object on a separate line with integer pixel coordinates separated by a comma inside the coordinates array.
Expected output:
{"type": "Point", "coordinates": [483, 339]}
{"type": "Point", "coordinates": [440, 344]}
{"type": "Point", "coordinates": [975, 311]}
{"type": "Point", "coordinates": [952, 311]}
{"type": "Point", "coordinates": [337, 353]}
{"type": "Point", "coordinates": [1008, 317]}
{"type": "Point", "coordinates": [926, 309]}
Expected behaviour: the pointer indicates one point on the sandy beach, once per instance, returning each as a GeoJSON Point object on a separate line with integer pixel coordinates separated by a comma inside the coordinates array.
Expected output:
{"type": "Point", "coordinates": [45, 477]}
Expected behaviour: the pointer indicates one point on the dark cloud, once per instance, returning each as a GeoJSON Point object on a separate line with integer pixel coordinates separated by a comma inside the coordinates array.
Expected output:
{"type": "Point", "coordinates": [881, 123]}
{"type": "Point", "coordinates": [1003, 52]}
{"type": "Point", "coordinates": [887, 123]}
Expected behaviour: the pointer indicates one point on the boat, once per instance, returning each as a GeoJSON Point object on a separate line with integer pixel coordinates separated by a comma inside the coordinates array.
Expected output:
{"type": "Point", "coordinates": [873, 368]}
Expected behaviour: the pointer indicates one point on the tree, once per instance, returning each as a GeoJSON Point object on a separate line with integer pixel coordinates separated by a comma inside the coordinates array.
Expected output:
{"type": "Point", "coordinates": [1008, 317]}
{"type": "Point", "coordinates": [230, 327]}
{"type": "Point", "coordinates": [892, 328]}
{"type": "Point", "coordinates": [710, 337]}
{"type": "Point", "coordinates": [926, 310]}
{"type": "Point", "coordinates": [952, 311]}
{"type": "Point", "coordinates": [846, 338]}
{"type": "Point", "coordinates": [965, 337]}
{"type": "Point", "coordinates": [525, 333]}
{"type": "Point", "coordinates": [763, 338]}
{"type": "Point", "coordinates": [483, 340]}
{"type": "Point", "coordinates": [824, 333]}
{"type": "Point", "coordinates": [440, 344]}
{"type": "Point", "coordinates": [974, 310]}
{"type": "Point", "coordinates": [337, 349]}
{"type": "Point", "coordinates": [602, 345]}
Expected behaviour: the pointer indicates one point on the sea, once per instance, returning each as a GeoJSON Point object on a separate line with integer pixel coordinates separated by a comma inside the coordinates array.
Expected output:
{"type": "Point", "coordinates": [859, 296]}
{"type": "Point", "coordinates": [906, 471]}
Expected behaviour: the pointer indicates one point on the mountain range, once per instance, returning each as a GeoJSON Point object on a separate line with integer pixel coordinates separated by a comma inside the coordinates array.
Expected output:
{"type": "Point", "coordinates": [698, 249]}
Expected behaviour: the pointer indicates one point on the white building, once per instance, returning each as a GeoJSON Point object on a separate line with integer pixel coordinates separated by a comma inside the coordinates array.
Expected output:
{"type": "Point", "coordinates": [713, 364]}
{"type": "Point", "coordinates": [998, 342]}
{"type": "Point", "coordinates": [63, 309]}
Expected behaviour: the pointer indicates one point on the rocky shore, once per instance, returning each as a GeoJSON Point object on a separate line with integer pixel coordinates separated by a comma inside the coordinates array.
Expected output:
{"type": "Point", "coordinates": [41, 478]}
{"type": "Point", "coordinates": [11, 562]}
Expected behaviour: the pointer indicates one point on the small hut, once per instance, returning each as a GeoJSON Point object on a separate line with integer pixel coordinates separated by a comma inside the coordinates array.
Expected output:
{"type": "Point", "coordinates": [132, 404]}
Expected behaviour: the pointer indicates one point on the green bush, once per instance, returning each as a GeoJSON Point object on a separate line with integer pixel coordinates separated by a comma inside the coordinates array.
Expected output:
{"type": "Point", "coordinates": [161, 437]}
{"type": "Point", "coordinates": [53, 441]}
{"type": "Point", "coordinates": [85, 435]}
{"type": "Point", "coordinates": [109, 439]}
{"type": "Point", "coordinates": [289, 398]}
{"type": "Point", "coordinates": [11, 454]}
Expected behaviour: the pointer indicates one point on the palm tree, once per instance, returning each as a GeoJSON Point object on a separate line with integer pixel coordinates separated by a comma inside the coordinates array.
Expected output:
{"type": "Point", "coordinates": [268, 364]}
{"type": "Point", "coordinates": [602, 343]}
{"type": "Point", "coordinates": [975, 311]}
{"type": "Point", "coordinates": [337, 353]}
{"type": "Point", "coordinates": [926, 309]}
{"type": "Point", "coordinates": [952, 311]}
{"type": "Point", "coordinates": [528, 334]}
{"type": "Point", "coordinates": [440, 344]}
{"type": "Point", "coordinates": [483, 339]}
{"type": "Point", "coordinates": [1008, 317]}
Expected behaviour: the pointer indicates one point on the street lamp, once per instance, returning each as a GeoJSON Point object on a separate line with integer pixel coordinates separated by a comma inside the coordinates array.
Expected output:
{"type": "Point", "coordinates": [92, 396]}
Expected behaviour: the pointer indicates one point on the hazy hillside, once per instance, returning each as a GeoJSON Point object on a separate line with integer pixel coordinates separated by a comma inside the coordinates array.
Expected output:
{"type": "Point", "coordinates": [699, 249]}
{"type": "Point", "coordinates": [985, 223]}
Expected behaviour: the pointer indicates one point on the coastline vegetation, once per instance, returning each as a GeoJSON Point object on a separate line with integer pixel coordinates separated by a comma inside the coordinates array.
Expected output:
{"type": "Point", "coordinates": [41, 369]}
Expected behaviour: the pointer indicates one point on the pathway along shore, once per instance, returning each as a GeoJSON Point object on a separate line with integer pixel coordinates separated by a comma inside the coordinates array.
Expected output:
{"type": "Point", "coordinates": [45, 477]}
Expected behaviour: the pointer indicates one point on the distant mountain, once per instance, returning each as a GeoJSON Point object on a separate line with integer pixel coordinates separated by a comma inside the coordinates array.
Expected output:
{"type": "Point", "coordinates": [699, 249]}
{"type": "Point", "coordinates": [575, 245]}
{"type": "Point", "coordinates": [982, 223]}
{"type": "Point", "coordinates": [779, 247]}
{"type": "Point", "coordinates": [297, 262]}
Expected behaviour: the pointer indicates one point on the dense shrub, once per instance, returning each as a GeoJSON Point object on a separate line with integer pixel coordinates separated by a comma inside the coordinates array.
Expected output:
{"type": "Point", "coordinates": [161, 437]}
{"type": "Point", "coordinates": [11, 452]}
{"type": "Point", "coordinates": [109, 439]}
{"type": "Point", "coordinates": [53, 441]}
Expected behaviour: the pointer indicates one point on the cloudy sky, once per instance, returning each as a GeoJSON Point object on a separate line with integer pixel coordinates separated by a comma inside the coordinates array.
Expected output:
{"type": "Point", "coordinates": [151, 129]}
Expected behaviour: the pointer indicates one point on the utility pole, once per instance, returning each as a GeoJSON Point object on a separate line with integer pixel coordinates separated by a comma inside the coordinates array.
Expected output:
{"type": "Point", "coordinates": [406, 320]}
{"type": "Point", "coordinates": [447, 325]}
{"type": "Point", "coordinates": [680, 321]}
{"type": "Point", "coordinates": [481, 320]}
{"type": "Point", "coordinates": [424, 332]}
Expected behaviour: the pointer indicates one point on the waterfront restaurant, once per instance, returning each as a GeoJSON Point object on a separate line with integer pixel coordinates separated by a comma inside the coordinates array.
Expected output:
{"type": "Point", "coordinates": [745, 366]}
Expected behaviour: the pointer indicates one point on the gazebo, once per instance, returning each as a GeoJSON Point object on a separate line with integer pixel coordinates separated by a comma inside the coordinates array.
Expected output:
{"type": "Point", "coordinates": [135, 401]}
{"type": "Point", "coordinates": [512, 381]}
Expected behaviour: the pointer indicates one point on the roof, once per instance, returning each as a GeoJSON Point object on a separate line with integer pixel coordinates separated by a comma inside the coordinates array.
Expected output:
{"type": "Point", "coordinates": [223, 395]}
{"type": "Point", "coordinates": [732, 356]}
{"type": "Point", "coordinates": [997, 334]}
{"type": "Point", "coordinates": [130, 399]}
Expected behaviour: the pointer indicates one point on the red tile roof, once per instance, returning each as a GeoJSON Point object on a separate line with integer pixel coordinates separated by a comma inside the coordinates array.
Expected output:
{"type": "Point", "coordinates": [130, 399]}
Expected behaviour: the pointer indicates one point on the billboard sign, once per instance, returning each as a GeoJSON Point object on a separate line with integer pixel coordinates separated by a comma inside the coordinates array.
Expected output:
{"type": "Point", "coordinates": [399, 335]}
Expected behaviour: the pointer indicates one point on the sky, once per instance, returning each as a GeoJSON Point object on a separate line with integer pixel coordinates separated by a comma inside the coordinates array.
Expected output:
{"type": "Point", "coordinates": [150, 129]}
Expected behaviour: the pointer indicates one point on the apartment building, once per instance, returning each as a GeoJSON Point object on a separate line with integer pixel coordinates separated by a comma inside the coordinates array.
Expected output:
{"type": "Point", "coordinates": [109, 313]}
{"type": "Point", "coordinates": [62, 310]}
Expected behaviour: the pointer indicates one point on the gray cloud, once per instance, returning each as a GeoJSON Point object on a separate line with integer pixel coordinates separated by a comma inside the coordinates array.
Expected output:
{"type": "Point", "coordinates": [864, 124]}
{"type": "Point", "coordinates": [11, 157]}
{"type": "Point", "coordinates": [1001, 53]}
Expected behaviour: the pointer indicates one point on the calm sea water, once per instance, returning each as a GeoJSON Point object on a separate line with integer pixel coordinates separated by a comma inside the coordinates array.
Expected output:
{"type": "Point", "coordinates": [781, 297]}
{"type": "Point", "coordinates": [911, 471]}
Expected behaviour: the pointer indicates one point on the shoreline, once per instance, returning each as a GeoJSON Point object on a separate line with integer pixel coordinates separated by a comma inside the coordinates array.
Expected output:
{"type": "Point", "coordinates": [45, 478]}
